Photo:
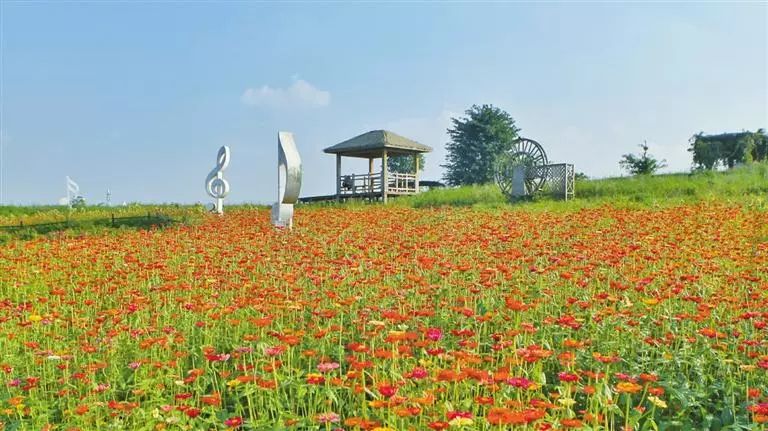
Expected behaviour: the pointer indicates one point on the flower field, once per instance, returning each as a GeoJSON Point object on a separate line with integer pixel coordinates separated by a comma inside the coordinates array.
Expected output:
{"type": "Point", "coordinates": [391, 318]}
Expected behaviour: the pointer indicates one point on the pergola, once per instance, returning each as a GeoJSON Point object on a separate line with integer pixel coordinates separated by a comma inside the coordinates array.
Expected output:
{"type": "Point", "coordinates": [377, 144]}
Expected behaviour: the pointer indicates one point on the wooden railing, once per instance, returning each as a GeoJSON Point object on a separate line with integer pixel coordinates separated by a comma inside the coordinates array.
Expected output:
{"type": "Point", "coordinates": [401, 183]}
{"type": "Point", "coordinates": [360, 184]}
{"type": "Point", "coordinates": [370, 184]}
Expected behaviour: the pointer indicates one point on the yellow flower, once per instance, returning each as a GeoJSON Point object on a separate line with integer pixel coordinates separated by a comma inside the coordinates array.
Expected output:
{"type": "Point", "coordinates": [568, 402]}
{"type": "Point", "coordinates": [383, 429]}
{"type": "Point", "coordinates": [35, 318]}
{"type": "Point", "coordinates": [460, 422]}
{"type": "Point", "coordinates": [234, 382]}
{"type": "Point", "coordinates": [658, 402]}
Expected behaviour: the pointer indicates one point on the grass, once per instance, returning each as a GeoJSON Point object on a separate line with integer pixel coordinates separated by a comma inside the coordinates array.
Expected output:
{"type": "Point", "coordinates": [27, 223]}
{"type": "Point", "coordinates": [735, 185]}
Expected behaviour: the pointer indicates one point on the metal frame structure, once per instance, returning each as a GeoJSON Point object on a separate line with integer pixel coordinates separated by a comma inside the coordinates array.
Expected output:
{"type": "Point", "coordinates": [524, 171]}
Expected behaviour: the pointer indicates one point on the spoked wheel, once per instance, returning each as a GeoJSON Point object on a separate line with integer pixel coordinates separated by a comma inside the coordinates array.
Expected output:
{"type": "Point", "coordinates": [524, 152]}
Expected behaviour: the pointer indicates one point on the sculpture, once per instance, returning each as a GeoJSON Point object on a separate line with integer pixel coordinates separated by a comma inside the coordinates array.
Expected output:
{"type": "Point", "coordinates": [215, 184]}
{"type": "Point", "coordinates": [524, 171]}
{"type": "Point", "coordinates": [288, 180]}
{"type": "Point", "coordinates": [73, 194]}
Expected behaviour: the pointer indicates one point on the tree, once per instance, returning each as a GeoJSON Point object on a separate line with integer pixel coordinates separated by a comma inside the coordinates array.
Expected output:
{"type": "Point", "coordinates": [476, 141]}
{"type": "Point", "coordinates": [404, 164]}
{"type": "Point", "coordinates": [641, 164]}
{"type": "Point", "coordinates": [728, 149]}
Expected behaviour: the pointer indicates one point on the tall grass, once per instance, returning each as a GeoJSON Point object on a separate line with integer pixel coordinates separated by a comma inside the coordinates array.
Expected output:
{"type": "Point", "coordinates": [735, 185]}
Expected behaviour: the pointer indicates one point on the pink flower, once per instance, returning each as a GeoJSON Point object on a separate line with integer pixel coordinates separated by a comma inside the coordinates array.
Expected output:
{"type": "Point", "coordinates": [418, 373]}
{"type": "Point", "coordinates": [519, 382]}
{"type": "Point", "coordinates": [274, 351]}
{"type": "Point", "coordinates": [134, 365]}
{"type": "Point", "coordinates": [329, 417]}
{"type": "Point", "coordinates": [434, 334]}
{"type": "Point", "coordinates": [325, 367]}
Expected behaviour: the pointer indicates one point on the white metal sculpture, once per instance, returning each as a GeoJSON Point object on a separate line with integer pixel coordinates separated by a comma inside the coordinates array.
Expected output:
{"type": "Point", "coordinates": [288, 180]}
{"type": "Point", "coordinates": [215, 184]}
{"type": "Point", "coordinates": [73, 192]}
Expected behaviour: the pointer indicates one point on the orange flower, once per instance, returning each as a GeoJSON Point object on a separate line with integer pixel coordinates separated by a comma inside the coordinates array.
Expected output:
{"type": "Point", "coordinates": [628, 387]}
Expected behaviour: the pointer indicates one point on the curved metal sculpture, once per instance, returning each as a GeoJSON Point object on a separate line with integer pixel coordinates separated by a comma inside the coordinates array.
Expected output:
{"type": "Point", "coordinates": [215, 184]}
{"type": "Point", "coordinates": [288, 180]}
{"type": "Point", "coordinates": [73, 192]}
{"type": "Point", "coordinates": [522, 169]}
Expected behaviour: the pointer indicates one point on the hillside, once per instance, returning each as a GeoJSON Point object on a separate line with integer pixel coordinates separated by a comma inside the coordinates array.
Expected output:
{"type": "Point", "coordinates": [742, 184]}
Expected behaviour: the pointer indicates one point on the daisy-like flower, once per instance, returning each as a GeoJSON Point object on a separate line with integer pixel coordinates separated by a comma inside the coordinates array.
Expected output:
{"type": "Point", "coordinates": [658, 402]}
{"type": "Point", "coordinates": [325, 367]}
{"type": "Point", "coordinates": [329, 417]}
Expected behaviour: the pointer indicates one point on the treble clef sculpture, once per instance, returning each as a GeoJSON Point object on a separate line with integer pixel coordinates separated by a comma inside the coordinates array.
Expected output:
{"type": "Point", "coordinates": [288, 180]}
{"type": "Point", "coordinates": [215, 184]}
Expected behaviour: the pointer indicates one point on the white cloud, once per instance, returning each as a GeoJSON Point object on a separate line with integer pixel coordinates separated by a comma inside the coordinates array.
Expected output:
{"type": "Point", "coordinates": [300, 94]}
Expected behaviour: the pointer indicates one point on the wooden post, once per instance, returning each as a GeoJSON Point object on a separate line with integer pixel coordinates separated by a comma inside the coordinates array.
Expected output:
{"type": "Point", "coordinates": [338, 177]}
{"type": "Point", "coordinates": [370, 177]}
{"type": "Point", "coordinates": [416, 164]}
{"type": "Point", "coordinates": [384, 177]}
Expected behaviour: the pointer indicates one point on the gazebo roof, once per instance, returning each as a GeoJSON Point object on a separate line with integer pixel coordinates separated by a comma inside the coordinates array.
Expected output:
{"type": "Point", "coordinates": [373, 144]}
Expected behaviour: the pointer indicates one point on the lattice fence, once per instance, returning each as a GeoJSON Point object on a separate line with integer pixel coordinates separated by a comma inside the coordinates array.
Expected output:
{"type": "Point", "coordinates": [559, 179]}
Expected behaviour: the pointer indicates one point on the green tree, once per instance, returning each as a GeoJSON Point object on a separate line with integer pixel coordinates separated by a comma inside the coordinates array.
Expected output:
{"type": "Point", "coordinates": [641, 164]}
{"type": "Point", "coordinates": [476, 141]}
{"type": "Point", "coordinates": [706, 153]}
{"type": "Point", "coordinates": [728, 149]}
{"type": "Point", "coordinates": [404, 164]}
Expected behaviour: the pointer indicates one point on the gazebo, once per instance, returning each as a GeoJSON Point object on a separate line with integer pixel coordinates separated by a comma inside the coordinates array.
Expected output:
{"type": "Point", "coordinates": [377, 144]}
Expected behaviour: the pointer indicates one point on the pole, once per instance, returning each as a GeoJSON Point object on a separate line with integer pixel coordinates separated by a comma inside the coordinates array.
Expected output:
{"type": "Point", "coordinates": [370, 178]}
{"type": "Point", "coordinates": [338, 176]}
{"type": "Point", "coordinates": [416, 165]}
{"type": "Point", "coordinates": [384, 177]}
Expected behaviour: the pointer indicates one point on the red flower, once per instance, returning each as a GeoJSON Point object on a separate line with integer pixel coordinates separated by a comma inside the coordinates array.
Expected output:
{"type": "Point", "coordinates": [234, 422]}
{"type": "Point", "coordinates": [568, 377]}
{"type": "Point", "coordinates": [439, 425]}
{"type": "Point", "coordinates": [418, 373]}
{"type": "Point", "coordinates": [457, 414]}
{"type": "Point", "coordinates": [387, 391]}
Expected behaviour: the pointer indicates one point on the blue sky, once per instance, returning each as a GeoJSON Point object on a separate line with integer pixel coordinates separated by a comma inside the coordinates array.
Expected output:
{"type": "Point", "coordinates": [138, 97]}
